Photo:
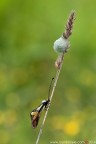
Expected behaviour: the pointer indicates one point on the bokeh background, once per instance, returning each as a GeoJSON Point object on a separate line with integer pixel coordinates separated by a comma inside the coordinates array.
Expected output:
{"type": "Point", "coordinates": [28, 29]}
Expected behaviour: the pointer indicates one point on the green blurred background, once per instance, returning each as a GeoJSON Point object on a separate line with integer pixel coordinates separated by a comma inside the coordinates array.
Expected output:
{"type": "Point", "coordinates": [28, 29]}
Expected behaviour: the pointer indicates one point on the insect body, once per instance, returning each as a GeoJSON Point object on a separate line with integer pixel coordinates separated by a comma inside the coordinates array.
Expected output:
{"type": "Point", "coordinates": [36, 113]}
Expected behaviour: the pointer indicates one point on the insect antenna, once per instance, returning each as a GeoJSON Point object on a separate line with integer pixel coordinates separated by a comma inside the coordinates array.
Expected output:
{"type": "Point", "coordinates": [50, 88]}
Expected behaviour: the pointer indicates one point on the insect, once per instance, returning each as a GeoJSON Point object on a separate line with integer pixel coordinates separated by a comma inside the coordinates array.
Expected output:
{"type": "Point", "coordinates": [36, 113]}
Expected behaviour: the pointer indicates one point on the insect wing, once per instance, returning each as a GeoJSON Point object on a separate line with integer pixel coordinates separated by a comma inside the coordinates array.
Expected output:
{"type": "Point", "coordinates": [35, 115]}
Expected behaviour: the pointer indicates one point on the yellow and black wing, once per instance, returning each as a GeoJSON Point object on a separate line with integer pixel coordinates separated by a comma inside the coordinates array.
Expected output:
{"type": "Point", "coordinates": [35, 115]}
